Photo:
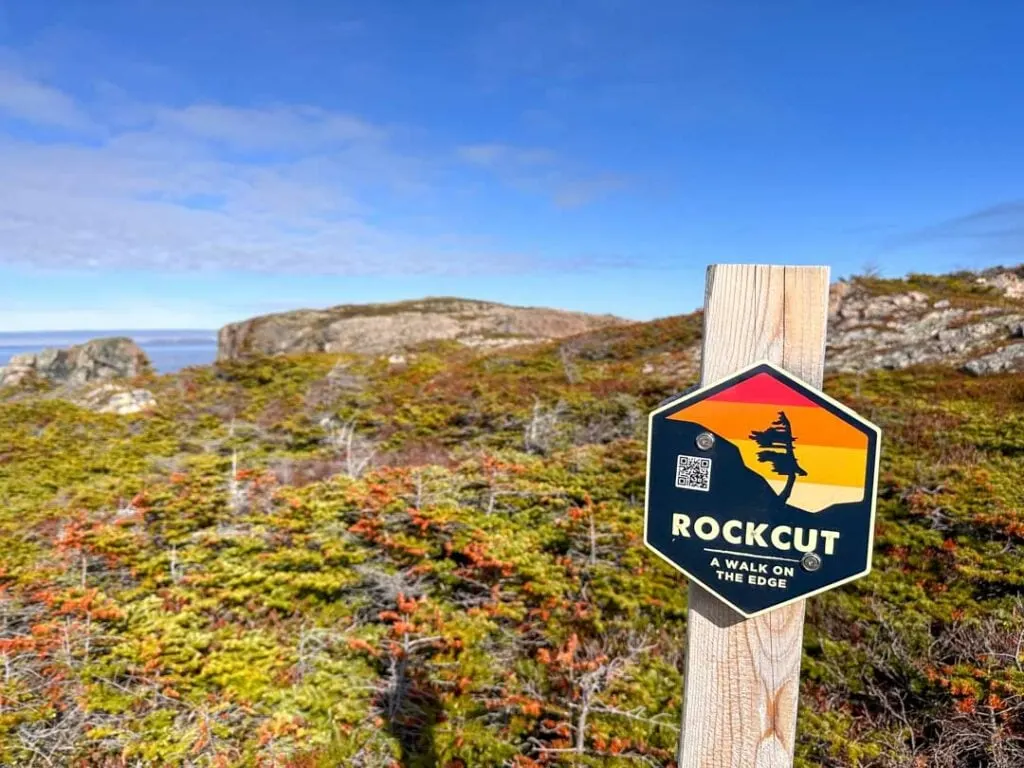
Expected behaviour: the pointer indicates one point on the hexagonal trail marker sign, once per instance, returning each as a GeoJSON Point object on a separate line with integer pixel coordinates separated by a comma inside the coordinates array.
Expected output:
{"type": "Point", "coordinates": [761, 489]}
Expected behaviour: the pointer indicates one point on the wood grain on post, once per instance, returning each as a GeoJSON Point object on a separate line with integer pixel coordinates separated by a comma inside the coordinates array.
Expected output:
{"type": "Point", "coordinates": [743, 675]}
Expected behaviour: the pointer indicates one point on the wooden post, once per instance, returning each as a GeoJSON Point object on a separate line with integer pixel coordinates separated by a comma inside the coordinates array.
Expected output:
{"type": "Point", "coordinates": [743, 675]}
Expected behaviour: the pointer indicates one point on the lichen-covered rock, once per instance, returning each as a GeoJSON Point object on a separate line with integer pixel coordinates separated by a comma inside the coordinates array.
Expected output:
{"type": "Point", "coordinates": [1010, 358]}
{"type": "Point", "coordinates": [1007, 283]}
{"type": "Point", "coordinates": [95, 360]}
{"type": "Point", "coordinates": [112, 398]}
{"type": "Point", "coordinates": [871, 331]}
{"type": "Point", "coordinates": [392, 328]}
{"type": "Point", "coordinates": [837, 293]}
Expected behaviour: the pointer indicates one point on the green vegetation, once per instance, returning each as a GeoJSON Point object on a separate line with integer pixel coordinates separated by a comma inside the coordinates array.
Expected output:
{"type": "Point", "coordinates": [323, 560]}
{"type": "Point", "coordinates": [959, 288]}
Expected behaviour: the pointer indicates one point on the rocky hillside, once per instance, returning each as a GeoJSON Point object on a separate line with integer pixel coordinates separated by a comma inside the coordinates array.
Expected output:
{"type": "Point", "coordinates": [973, 322]}
{"type": "Point", "coordinates": [383, 328]}
{"type": "Point", "coordinates": [970, 322]}
{"type": "Point", "coordinates": [962, 320]}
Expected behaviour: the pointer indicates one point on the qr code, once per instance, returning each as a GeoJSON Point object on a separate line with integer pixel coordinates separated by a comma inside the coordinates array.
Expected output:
{"type": "Point", "coordinates": [693, 473]}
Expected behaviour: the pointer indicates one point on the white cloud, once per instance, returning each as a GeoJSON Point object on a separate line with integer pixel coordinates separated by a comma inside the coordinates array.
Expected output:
{"type": "Point", "coordinates": [505, 156]}
{"type": "Point", "coordinates": [995, 230]}
{"type": "Point", "coordinates": [279, 127]}
{"type": "Point", "coordinates": [283, 188]}
{"type": "Point", "coordinates": [122, 207]}
{"type": "Point", "coordinates": [574, 193]}
{"type": "Point", "coordinates": [26, 99]}
{"type": "Point", "coordinates": [540, 171]}
{"type": "Point", "coordinates": [176, 191]}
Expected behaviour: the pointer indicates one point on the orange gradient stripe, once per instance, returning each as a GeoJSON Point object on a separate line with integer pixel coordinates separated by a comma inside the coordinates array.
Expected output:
{"type": "Point", "coordinates": [824, 465]}
{"type": "Point", "coordinates": [811, 426]}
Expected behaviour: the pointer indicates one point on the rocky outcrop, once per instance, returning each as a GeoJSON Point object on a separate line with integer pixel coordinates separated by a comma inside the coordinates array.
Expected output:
{"type": "Point", "coordinates": [95, 360]}
{"type": "Point", "coordinates": [1010, 358]}
{"type": "Point", "coordinates": [391, 328]}
{"type": "Point", "coordinates": [113, 398]}
{"type": "Point", "coordinates": [898, 330]}
{"type": "Point", "coordinates": [1007, 283]}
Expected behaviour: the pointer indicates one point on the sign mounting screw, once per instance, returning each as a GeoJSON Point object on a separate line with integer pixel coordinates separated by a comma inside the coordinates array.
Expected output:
{"type": "Point", "coordinates": [705, 440]}
{"type": "Point", "coordinates": [811, 561]}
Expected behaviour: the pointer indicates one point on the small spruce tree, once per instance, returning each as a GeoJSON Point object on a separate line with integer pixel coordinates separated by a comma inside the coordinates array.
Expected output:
{"type": "Point", "coordinates": [777, 442]}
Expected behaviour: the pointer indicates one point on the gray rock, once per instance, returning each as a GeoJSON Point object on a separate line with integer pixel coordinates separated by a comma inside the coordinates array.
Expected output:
{"type": "Point", "coordinates": [341, 379]}
{"type": "Point", "coordinates": [1009, 358]}
{"type": "Point", "coordinates": [895, 331]}
{"type": "Point", "coordinates": [836, 296]}
{"type": "Point", "coordinates": [1007, 283]}
{"type": "Point", "coordinates": [393, 328]}
{"type": "Point", "coordinates": [95, 360]}
{"type": "Point", "coordinates": [112, 398]}
{"type": "Point", "coordinates": [966, 333]}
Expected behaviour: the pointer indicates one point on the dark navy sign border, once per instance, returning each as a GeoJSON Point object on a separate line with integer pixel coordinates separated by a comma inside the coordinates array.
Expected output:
{"type": "Point", "coordinates": [832, 574]}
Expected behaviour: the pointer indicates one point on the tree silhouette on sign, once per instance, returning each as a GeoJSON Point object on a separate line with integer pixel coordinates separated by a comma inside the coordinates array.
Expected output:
{"type": "Point", "coordinates": [777, 442]}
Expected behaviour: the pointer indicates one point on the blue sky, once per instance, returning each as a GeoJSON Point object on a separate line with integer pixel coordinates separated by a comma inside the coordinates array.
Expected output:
{"type": "Point", "coordinates": [190, 163]}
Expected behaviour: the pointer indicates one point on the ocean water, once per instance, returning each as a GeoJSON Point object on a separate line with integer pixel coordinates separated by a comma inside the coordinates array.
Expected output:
{"type": "Point", "coordinates": [168, 350]}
